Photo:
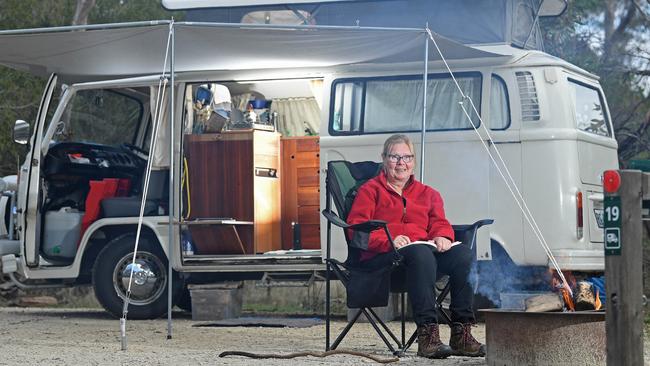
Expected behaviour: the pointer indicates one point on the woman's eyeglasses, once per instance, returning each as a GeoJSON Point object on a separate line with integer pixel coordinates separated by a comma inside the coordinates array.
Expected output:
{"type": "Point", "coordinates": [396, 158]}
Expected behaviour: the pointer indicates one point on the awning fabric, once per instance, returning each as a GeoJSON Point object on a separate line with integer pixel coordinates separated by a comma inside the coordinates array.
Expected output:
{"type": "Point", "coordinates": [140, 50]}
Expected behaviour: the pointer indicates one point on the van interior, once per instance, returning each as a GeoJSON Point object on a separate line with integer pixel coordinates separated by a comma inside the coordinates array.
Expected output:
{"type": "Point", "coordinates": [250, 167]}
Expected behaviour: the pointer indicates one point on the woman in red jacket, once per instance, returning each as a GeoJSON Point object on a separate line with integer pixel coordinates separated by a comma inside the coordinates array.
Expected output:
{"type": "Point", "coordinates": [415, 212]}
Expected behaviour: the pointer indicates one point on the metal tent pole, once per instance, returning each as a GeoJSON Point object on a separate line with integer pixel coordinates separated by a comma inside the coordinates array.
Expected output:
{"type": "Point", "coordinates": [170, 239]}
{"type": "Point", "coordinates": [424, 102]}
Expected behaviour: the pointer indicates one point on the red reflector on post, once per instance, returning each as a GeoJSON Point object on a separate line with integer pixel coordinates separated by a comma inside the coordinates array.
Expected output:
{"type": "Point", "coordinates": [611, 181]}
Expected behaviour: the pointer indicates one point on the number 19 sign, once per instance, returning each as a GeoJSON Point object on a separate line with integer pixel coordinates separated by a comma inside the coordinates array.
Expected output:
{"type": "Point", "coordinates": [612, 225]}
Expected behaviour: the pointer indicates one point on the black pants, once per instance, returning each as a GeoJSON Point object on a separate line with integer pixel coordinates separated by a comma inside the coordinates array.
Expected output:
{"type": "Point", "coordinates": [422, 264]}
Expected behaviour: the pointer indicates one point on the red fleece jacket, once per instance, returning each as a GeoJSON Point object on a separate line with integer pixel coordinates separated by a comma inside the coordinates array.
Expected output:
{"type": "Point", "coordinates": [418, 213]}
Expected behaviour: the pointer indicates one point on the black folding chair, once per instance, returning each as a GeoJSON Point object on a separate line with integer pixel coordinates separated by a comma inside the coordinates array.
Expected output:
{"type": "Point", "coordinates": [342, 181]}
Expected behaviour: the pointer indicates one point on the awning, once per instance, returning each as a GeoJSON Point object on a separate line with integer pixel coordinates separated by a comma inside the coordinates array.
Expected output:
{"type": "Point", "coordinates": [130, 50]}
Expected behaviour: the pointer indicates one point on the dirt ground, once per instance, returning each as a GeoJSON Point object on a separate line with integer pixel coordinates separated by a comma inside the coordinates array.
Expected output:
{"type": "Point", "coordinates": [30, 336]}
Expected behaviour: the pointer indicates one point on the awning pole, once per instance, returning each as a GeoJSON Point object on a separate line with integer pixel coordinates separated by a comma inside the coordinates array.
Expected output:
{"type": "Point", "coordinates": [170, 237]}
{"type": "Point", "coordinates": [424, 103]}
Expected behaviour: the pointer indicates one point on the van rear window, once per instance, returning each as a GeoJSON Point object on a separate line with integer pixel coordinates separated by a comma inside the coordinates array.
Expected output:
{"type": "Point", "coordinates": [590, 109]}
{"type": "Point", "coordinates": [394, 104]}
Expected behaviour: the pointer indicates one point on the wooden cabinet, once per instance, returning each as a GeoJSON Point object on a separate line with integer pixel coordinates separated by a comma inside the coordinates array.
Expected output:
{"type": "Point", "coordinates": [300, 190]}
{"type": "Point", "coordinates": [234, 175]}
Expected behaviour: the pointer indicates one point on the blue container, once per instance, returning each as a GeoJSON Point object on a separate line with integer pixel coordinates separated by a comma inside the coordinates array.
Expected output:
{"type": "Point", "coordinates": [260, 103]}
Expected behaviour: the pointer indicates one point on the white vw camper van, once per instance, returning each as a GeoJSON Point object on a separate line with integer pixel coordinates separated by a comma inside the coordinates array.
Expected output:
{"type": "Point", "coordinates": [225, 171]}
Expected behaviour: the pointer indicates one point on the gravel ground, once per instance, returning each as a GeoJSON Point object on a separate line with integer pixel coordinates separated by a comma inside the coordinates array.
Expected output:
{"type": "Point", "coordinates": [30, 336]}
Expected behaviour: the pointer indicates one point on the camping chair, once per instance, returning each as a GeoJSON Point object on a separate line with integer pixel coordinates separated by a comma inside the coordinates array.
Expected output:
{"type": "Point", "coordinates": [342, 181]}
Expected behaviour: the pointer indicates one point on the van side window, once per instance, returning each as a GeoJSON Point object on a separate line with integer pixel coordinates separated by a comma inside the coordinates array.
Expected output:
{"type": "Point", "coordinates": [589, 109]}
{"type": "Point", "coordinates": [394, 104]}
{"type": "Point", "coordinates": [527, 96]}
{"type": "Point", "coordinates": [347, 106]}
{"type": "Point", "coordinates": [102, 117]}
{"type": "Point", "coordinates": [499, 106]}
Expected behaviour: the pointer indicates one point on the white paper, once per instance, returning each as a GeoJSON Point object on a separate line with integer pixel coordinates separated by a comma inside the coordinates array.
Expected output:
{"type": "Point", "coordinates": [430, 243]}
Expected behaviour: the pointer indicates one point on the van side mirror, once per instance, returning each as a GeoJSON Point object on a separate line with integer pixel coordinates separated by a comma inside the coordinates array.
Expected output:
{"type": "Point", "coordinates": [21, 132]}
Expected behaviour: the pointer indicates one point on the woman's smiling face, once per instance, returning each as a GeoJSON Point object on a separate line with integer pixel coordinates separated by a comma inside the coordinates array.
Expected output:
{"type": "Point", "coordinates": [399, 163]}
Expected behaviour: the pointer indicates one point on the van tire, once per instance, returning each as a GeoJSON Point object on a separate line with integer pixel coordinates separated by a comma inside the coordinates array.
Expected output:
{"type": "Point", "coordinates": [149, 288]}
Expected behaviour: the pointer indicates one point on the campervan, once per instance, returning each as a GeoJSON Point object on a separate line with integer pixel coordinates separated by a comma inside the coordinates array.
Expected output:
{"type": "Point", "coordinates": [208, 142]}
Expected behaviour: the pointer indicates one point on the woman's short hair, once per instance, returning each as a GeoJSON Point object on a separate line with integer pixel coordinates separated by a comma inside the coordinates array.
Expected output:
{"type": "Point", "coordinates": [394, 140]}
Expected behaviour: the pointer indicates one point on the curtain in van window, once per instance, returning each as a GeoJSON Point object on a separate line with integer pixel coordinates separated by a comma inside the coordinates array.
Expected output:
{"type": "Point", "coordinates": [396, 105]}
{"type": "Point", "coordinates": [297, 116]}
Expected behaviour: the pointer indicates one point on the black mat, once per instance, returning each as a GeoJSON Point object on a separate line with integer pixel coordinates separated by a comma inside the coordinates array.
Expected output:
{"type": "Point", "coordinates": [269, 322]}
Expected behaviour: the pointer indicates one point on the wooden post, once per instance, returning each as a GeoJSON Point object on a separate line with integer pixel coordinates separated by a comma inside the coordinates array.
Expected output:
{"type": "Point", "coordinates": [624, 270]}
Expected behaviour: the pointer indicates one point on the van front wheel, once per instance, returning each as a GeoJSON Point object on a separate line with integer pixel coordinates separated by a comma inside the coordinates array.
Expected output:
{"type": "Point", "coordinates": [114, 268]}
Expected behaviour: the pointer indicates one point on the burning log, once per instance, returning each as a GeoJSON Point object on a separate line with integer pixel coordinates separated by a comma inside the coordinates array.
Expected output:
{"type": "Point", "coordinates": [580, 296]}
{"type": "Point", "coordinates": [544, 302]}
{"type": "Point", "coordinates": [585, 298]}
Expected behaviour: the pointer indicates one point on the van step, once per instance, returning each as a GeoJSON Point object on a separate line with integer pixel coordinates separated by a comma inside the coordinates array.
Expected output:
{"type": "Point", "coordinates": [8, 246]}
{"type": "Point", "coordinates": [288, 279]}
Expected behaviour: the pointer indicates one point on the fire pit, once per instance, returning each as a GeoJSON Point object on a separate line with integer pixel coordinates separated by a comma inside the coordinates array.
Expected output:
{"type": "Point", "coordinates": [544, 338]}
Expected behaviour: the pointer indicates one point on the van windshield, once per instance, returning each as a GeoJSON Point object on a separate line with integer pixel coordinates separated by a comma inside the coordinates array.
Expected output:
{"type": "Point", "coordinates": [100, 116]}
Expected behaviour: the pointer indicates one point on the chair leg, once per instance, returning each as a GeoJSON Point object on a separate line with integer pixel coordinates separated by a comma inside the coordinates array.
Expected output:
{"type": "Point", "coordinates": [379, 332]}
{"type": "Point", "coordinates": [410, 342]}
{"type": "Point", "coordinates": [346, 330]}
{"type": "Point", "coordinates": [402, 305]}
{"type": "Point", "coordinates": [383, 325]}
{"type": "Point", "coordinates": [440, 299]}
{"type": "Point", "coordinates": [445, 315]}
{"type": "Point", "coordinates": [327, 307]}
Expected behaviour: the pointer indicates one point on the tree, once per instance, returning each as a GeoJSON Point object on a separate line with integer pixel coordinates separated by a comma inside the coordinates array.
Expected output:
{"type": "Point", "coordinates": [83, 10]}
{"type": "Point", "coordinates": [611, 39]}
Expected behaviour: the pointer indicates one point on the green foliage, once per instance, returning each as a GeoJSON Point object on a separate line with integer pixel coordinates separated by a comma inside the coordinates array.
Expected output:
{"type": "Point", "coordinates": [609, 38]}
{"type": "Point", "coordinates": [110, 11]}
{"type": "Point", "coordinates": [18, 14]}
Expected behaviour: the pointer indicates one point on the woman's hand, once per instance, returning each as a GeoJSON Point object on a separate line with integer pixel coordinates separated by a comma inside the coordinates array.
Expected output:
{"type": "Point", "coordinates": [401, 241]}
{"type": "Point", "coordinates": [442, 244]}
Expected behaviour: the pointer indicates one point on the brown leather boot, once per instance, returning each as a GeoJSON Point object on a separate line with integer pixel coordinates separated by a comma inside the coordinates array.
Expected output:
{"type": "Point", "coordinates": [463, 343]}
{"type": "Point", "coordinates": [429, 344]}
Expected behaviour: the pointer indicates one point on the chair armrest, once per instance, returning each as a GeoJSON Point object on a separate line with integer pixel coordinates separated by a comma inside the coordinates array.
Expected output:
{"type": "Point", "coordinates": [467, 233]}
{"type": "Point", "coordinates": [335, 219]}
{"type": "Point", "coordinates": [369, 225]}
{"type": "Point", "coordinates": [483, 222]}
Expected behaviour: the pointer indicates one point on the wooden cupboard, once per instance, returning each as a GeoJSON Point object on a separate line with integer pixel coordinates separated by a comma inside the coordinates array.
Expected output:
{"type": "Point", "coordinates": [234, 175]}
{"type": "Point", "coordinates": [300, 191]}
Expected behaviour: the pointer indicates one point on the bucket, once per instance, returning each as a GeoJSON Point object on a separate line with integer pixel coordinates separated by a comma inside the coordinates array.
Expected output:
{"type": "Point", "coordinates": [62, 230]}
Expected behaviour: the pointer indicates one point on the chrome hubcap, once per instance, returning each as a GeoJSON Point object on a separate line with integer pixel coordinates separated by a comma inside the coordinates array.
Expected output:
{"type": "Point", "coordinates": [149, 278]}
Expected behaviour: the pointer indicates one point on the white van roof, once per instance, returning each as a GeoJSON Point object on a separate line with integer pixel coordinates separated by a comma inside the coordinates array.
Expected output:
{"type": "Point", "coordinates": [131, 49]}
